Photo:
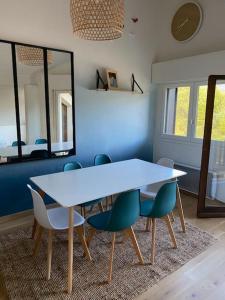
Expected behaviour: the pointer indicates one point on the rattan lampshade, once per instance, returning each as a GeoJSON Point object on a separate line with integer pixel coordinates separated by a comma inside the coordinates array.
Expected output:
{"type": "Point", "coordinates": [32, 56]}
{"type": "Point", "coordinates": [97, 20]}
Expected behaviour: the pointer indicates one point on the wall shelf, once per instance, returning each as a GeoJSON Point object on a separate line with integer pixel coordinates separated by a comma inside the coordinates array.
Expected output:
{"type": "Point", "coordinates": [117, 91]}
{"type": "Point", "coordinates": [106, 86]}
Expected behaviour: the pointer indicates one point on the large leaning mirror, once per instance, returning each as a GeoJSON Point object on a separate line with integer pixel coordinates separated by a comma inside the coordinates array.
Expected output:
{"type": "Point", "coordinates": [37, 118]}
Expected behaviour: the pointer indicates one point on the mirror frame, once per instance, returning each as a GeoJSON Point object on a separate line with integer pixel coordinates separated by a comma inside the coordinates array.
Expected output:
{"type": "Point", "coordinates": [20, 157]}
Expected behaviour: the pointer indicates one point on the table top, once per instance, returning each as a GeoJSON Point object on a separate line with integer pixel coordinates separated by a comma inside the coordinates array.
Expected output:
{"type": "Point", "coordinates": [27, 149]}
{"type": "Point", "coordinates": [79, 186]}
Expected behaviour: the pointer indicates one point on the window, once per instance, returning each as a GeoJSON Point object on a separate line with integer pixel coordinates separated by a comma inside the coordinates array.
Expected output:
{"type": "Point", "coordinates": [200, 113]}
{"type": "Point", "coordinates": [177, 111]}
{"type": "Point", "coordinates": [218, 129]}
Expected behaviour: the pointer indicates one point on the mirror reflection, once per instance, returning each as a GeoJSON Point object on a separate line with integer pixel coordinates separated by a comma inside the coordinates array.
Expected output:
{"type": "Point", "coordinates": [216, 174]}
{"type": "Point", "coordinates": [8, 129]}
{"type": "Point", "coordinates": [30, 74]}
{"type": "Point", "coordinates": [60, 103]}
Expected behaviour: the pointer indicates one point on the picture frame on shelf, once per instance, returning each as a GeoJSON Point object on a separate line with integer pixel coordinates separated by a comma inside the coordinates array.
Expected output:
{"type": "Point", "coordinates": [112, 79]}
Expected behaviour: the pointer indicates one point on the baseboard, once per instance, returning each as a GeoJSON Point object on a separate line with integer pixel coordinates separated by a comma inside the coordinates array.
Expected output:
{"type": "Point", "coordinates": [16, 216]}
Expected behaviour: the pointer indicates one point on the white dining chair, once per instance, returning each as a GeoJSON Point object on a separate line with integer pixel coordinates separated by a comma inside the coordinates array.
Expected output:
{"type": "Point", "coordinates": [150, 191]}
{"type": "Point", "coordinates": [54, 219]}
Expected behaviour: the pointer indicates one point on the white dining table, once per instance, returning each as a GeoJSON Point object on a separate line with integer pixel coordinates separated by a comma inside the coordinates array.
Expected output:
{"type": "Point", "coordinates": [75, 187]}
{"type": "Point", "coordinates": [11, 151]}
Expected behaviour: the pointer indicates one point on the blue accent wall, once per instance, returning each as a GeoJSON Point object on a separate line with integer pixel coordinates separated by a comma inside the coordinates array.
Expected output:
{"type": "Point", "coordinates": [120, 124]}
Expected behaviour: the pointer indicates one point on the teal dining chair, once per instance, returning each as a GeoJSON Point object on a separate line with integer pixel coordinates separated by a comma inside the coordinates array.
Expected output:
{"type": "Point", "coordinates": [124, 213]}
{"type": "Point", "coordinates": [158, 208]}
{"type": "Point", "coordinates": [103, 159]}
{"type": "Point", "coordinates": [41, 141]}
{"type": "Point", "coordinates": [76, 166]}
{"type": "Point", "coordinates": [72, 166]}
{"type": "Point", "coordinates": [16, 143]}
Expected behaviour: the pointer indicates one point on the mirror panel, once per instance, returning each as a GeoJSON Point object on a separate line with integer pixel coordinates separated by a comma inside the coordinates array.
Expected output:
{"type": "Point", "coordinates": [31, 89]}
{"type": "Point", "coordinates": [26, 123]}
{"type": "Point", "coordinates": [8, 127]}
{"type": "Point", "coordinates": [216, 174]}
{"type": "Point", "coordinates": [60, 102]}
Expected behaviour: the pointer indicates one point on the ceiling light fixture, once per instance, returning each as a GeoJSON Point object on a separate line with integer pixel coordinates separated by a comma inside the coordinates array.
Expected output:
{"type": "Point", "coordinates": [97, 20]}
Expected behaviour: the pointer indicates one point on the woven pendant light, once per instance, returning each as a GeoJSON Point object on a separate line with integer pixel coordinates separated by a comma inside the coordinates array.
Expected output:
{"type": "Point", "coordinates": [97, 20]}
{"type": "Point", "coordinates": [32, 56]}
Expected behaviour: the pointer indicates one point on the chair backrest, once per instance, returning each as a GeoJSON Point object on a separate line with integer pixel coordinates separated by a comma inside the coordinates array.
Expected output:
{"type": "Point", "coordinates": [39, 154]}
{"type": "Point", "coordinates": [165, 200]}
{"type": "Point", "coordinates": [16, 143]}
{"type": "Point", "coordinates": [41, 141]}
{"type": "Point", "coordinates": [102, 159]}
{"type": "Point", "coordinates": [166, 162]}
{"type": "Point", "coordinates": [125, 211]}
{"type": "Point", "coordinates": [72, 166]}
{"type": "Point", "coordinates": [40, 211]}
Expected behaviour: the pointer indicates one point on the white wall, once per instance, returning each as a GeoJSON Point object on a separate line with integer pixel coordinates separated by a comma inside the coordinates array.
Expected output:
{"type": "Point", "coordinates": [209, 39]}
{"type": "Point", "coordinates": [47, 22]}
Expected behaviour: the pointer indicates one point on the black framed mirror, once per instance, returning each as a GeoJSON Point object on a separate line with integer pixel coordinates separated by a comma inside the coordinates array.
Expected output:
{"type": "Point", "coordinates": [37, 102]}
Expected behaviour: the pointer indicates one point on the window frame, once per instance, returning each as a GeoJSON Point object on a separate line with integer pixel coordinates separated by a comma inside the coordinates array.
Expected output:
{"type": "Point", "coordinates": [174, 137]}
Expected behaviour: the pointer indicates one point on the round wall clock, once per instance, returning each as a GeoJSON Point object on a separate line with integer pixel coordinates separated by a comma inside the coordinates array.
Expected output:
{"type": "Point", "coordinates": [187, 21]}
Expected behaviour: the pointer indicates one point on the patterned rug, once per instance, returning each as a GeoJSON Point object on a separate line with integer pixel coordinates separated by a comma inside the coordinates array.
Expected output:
{"type": "Point", "coordinates": [24, 277]}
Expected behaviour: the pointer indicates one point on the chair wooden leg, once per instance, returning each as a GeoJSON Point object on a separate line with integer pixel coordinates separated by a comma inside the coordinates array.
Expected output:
{"type": "Point", "coordinates": [38, 240]}
{"type": "Point", "coordinates": [111, 257]}
{"type": "Point", "coordinates": [132, 236]}
{"type": "Point", "coordinates": [172, 219]}
{"type": "Point", "coordinates": [34, 229]}
{"type": "Point", "coordinates": [153, 241]}
{"type": "Point", "coordinates": [148, 224]}
{"type": "Point", "coordinates": [80, 231]}
{"type": "Point", "coordinates": [91, 233]}
{"type": "Point", "coordinates": [180, 210]}
{"type": "Point", "coordinates": [49, 261]}
{"type": "Point", "coordinates": [171, 232]}
{"type": "Point", "coordinates": [100, 206]}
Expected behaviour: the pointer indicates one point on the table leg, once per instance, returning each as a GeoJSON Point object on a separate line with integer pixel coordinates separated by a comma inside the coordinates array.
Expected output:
{"type": "Point", "coordinates": [70, 250]}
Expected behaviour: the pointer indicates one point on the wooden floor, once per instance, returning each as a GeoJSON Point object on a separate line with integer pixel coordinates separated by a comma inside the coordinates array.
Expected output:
{"type": "Point", "coordinates": [202, 278]}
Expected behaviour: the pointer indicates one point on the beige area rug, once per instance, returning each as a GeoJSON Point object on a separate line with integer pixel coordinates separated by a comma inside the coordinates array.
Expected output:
{"type": "Point", "coordinates": [25, 277]}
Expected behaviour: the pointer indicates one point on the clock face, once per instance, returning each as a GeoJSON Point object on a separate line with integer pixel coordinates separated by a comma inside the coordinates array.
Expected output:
{"type": "Point", "coordinates": [186, 22]}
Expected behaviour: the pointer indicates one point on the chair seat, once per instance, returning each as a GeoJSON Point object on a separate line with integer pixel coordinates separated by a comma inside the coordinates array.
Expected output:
{"type": "Point", "coordinates": [90, 203]}
{"type": "Point", "coordinates": [59, 217]}
{"type": "Point", "coordinates": [100, 221]}
{"type": "Point", "coordinates": [146, 207]}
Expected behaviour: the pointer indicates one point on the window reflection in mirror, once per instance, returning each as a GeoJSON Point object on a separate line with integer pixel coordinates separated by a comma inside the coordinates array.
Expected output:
{"type": "Point", "coordinates": [31, 88]}
{"type": "Point", "coordinates": [60, 103]}
{"type": "Point", "coordinates": [8, 129]}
